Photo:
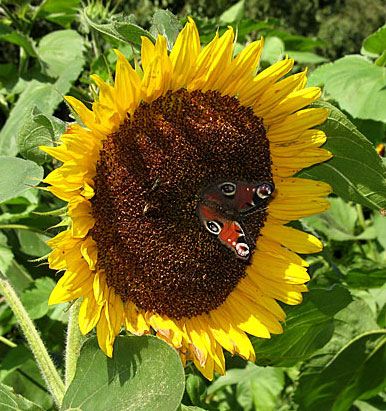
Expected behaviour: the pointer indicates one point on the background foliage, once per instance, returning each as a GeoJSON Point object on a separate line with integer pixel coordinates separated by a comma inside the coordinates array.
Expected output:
{"type": "Point", "coordinates": [332, 354]}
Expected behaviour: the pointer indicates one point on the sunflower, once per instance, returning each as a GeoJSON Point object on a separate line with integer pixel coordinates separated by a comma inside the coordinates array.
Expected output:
{"type": "Point", "coordinates": [172, 162]}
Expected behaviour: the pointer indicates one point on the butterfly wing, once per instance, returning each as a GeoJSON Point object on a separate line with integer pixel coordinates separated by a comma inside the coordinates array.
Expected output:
{"type": "Point", "coordinates": [230, 233]}
{"type": "Point", "coordinates": [238, 196]}
{"type": "Point", "coordinates": [251, 197]}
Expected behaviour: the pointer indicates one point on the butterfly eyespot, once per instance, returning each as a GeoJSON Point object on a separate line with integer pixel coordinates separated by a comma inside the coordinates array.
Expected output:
{"type": "Point", "coordinates": [228, 189]}
{"type": "Point", "coordinates": [213, 227]}
{"type": "Point", "coordinates": [264, 190]}
{"type": "Point", "coordinates": [242, 250]}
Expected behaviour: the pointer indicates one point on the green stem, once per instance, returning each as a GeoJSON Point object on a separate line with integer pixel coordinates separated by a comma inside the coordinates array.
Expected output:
{"type": "Point", "coordinates": [50, 374]}
{"type": "Point", "coordinates": [362, 222]}
{"type": "Point", "coordinates": [73, 343]}
{"type": "Point", "coordinates": [23, 61]}
{"type": "Point", "coordinates": [94, 42]}
{"type": "Point", "coordinates": [23, 227]}
{"type": "Point", "coordinates": [37, 10]}
{"type": "Point", "coordinates": [7, 342]}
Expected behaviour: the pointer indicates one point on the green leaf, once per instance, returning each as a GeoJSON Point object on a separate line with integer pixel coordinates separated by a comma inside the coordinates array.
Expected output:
{"type": "Point", "coordinates": [35, 92]}
{"type": "Point", "coordinates": [375, 44]}
{"type": "Point", "coordinates": [62, 12]}
{"type": "Point", "coordinates": [8, 76]}
{"type": "Point", "coordinates": [356, 84]}
{"type": "Point", "coordinates": [266, 388]}
{"type": "Point", "coordinates": [121, 28]}
{"type": "Point", "coordinates": [356, 172]}
{"type": "Point", "coordinates": [196, 389]}
{"type": "Point", "coordinates": [234, 13]}
{"type": "Point", "coordinates": [357, 370]}
{"type": "Point", "coordinates": [257, 386]}
{"type": "Point", "coordinates": [273, 50]}
{"type": "Point", "coordinates": [6, 254]}
{"type": "Point", "coordinates": [380, 229]}
{"type": "Point", "coordinates": [20, 39]}
{"type": "Point", "coordinates": [144, 370]}
{"type": "Point", "coordinates": [381, 60]}
{"type": "Point", "coordinates": [338, 223]}
{"type": "Point", "coordinates": [16, 176]}
{"type": "Point", "coordinates": [298, 43]}
{"type": "Point", "coordinates": [13, 360]}
{"type": "Point", "coordinates": [167, 24]}
{"type": "Point", "coordinates": [305, 57]}
{"type": "Point", "coordinates": [35, 298]}
{"type": "Point", "coordinates": [9, 400]}
{"type": "Point", "coordinates": [37, 130]}
{"type": "Point", "coordinates": [62, 54]}
{"type": "Point", "coordinates": [32, 243]}
{"type": "Point", "coordinates": [365, 275]}
{"type": "Point", "coordinates": [17, 276]}
{"type": "Point", "coordinates": [309, 327]}
{"type": "Point", "coordinates": [24, 376]}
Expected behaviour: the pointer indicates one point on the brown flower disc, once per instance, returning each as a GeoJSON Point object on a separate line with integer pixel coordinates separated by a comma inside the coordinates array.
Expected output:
{"type": "Point", "coordinates": [151, 243]}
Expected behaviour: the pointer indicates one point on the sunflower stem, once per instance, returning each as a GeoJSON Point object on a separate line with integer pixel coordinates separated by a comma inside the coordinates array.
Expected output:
{"type": "Point", "coordinates": [47, 368]}
{"type": "Point", "coordinates": [73, 343]}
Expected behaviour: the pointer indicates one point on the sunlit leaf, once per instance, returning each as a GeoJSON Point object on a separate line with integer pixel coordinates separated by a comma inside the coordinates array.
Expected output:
{"type": "Point", "coordinates": [17, 175]}
{"type": "Point", "coordinates": [338, 223]}
{"type": "Point", "coordinates": [35, 298]}
{"type": "Point", "coordinates": [256, 387]}
{"type": "Point", "coordinates": [144, 370]}
{"type": "Point", "coordinates": [62, 54]}
{"type": "Point", "coordinates": [165, 23]}
{"type": "Point", "coordinates": [62, 12]}
{"type": "Point", "coordinates": [121, 28]}
{"type": "Point", "coordinates": [356, 172]}
{"type": "Point", "coordinates": [305, 57]}
{"type": "Point", "coordinates": [37, 130]}
{"type": "Point", "coordinates": [6, 254]}
{"type": "Point", "coordinates": [234, 13]}
{"type": "Point", "coordinates": [273, 49]}
{"type": "Point", "coordinates": [356, 84]}
{"type": "Point", "coordinates": [375, 44]}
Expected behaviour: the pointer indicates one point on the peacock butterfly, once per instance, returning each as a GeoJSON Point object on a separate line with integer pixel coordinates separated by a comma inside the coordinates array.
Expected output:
{"type": "Point", "coordinates": [223, 206]}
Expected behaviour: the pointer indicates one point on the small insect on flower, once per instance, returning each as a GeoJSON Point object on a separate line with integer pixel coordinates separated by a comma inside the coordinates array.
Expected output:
{"type": "Point", "coordinates": [180, 187]}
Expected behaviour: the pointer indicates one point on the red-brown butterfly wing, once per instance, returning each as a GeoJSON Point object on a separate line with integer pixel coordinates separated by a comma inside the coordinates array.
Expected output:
{"type": "Point", "coordinates": [230, 233]}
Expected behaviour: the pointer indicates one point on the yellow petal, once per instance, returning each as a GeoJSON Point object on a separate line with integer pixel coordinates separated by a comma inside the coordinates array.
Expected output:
{"type": "Point", "coordinates": [276, 94]}
{"type": "Point", "coordinates": [184, 55]}
{"type": "Point", "coordinates": [293, 239]}
{"type": "Point", "coordinates": [127, 85]}
{"type": "Point", "coordinates": [293, 102]}
{"type": "Point", "coordinates": [263, 81]}
{"type": "Point", "coordinates": [294, 209]}
{"type": "Point", "coordinates": [296, 124]}
{"type": "Point", "coordinates": [79, 209]}
{"type": "Point", "coordinates": [241, 69]}
{"type": "Point", "coordinates": [134, 320]}
{"type": "Point", "coordinates": [89, 313]}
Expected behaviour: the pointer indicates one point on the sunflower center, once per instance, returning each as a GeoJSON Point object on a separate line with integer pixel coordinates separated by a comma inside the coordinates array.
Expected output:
{"type": "Point", "coordinates": [152, 244]}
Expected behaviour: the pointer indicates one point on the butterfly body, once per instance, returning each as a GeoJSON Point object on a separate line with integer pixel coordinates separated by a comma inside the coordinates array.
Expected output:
{"type": "Point", "coordinates": [223, 206]}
